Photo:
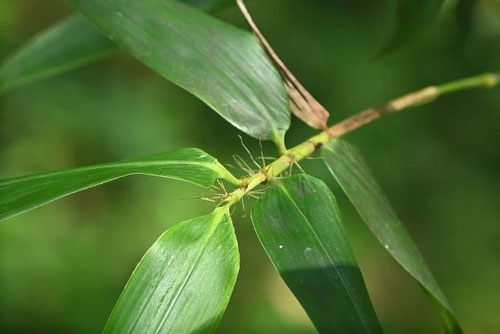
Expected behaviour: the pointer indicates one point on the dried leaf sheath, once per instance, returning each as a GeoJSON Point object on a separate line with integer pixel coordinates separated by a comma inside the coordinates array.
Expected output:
{"type": "Point", "coordinates": [303, 104]}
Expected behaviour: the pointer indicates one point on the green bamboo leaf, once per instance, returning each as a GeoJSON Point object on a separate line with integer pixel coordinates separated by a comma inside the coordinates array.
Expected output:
{"type": "Point", "coordinates": [222, 65]}
{"type": "Point", "coordinates": [299, 225]}
{"type": "Point", "coordinates": [350, 170]}
{"type": "Point", "coordinates": [184, 281]}
{"type": "Point", "coordinates": [21, 194]}
{"type": "Point", "coordinates": [66, 45]}
{"type": "Point", "coordinates": [412, 17]}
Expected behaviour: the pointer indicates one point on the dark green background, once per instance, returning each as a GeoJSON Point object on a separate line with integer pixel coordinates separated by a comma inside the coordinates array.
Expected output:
{"type": "Point", "coordinates": [63, 266]}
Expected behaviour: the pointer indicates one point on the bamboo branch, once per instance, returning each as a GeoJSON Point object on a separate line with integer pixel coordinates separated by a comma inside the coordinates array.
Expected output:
{"type": "Point", "coordinates": [355, 122]}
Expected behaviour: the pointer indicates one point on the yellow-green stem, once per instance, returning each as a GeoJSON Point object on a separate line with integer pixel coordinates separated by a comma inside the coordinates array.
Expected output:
{"type": "Point", "coordinates": [305, 149]}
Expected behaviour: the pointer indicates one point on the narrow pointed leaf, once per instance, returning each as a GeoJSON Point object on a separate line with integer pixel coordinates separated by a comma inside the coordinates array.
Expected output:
{"type": "Point", "coordinates": [66, 45]}
{"type": "Point", "coordinates": [184, 281]}
{"type": "Point", "coordinates": [21, 194]}
{"type": "Point", "coordinates": [412, 17]}
{"type": "Point", "coordinates": [222, 65]}
{"type": "Point", "coordinates": [299, 225]}
{"type": "Point", "coordinates": [350, 170]}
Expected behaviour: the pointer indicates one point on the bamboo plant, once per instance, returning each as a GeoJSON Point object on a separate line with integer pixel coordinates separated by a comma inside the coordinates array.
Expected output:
{"type": "Point", "coordinates": [185, 280]}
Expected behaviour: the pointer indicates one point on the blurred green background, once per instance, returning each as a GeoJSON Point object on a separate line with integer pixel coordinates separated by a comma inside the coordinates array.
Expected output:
{"type": "Point", "coordinates": [63, 266]}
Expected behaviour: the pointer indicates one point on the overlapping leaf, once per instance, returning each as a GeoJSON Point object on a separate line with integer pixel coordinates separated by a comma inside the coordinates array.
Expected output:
{"type": "Point", "coordinates": [184, 281]}
{"type": "Point", "coordinates": [25, 193]}
{"type": "Point", "coordinates": [350, 170]}
{"type": "Point", "coordinates": [222, 65]}
{"type": "Point", "coordinates": [299, 225]}
{"type": "Point", "coordinates": [64, 46]}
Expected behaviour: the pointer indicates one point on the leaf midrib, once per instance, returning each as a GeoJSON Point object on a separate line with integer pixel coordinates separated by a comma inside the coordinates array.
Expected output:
{"type": "Point", "coordinates": [136, 320]}
{"type": "Point", "coordinates": [216, 221]}
{"type": "Point", "coordinates": [358, 312]}
{"type": "Point", "coordinates": [212, 166]}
